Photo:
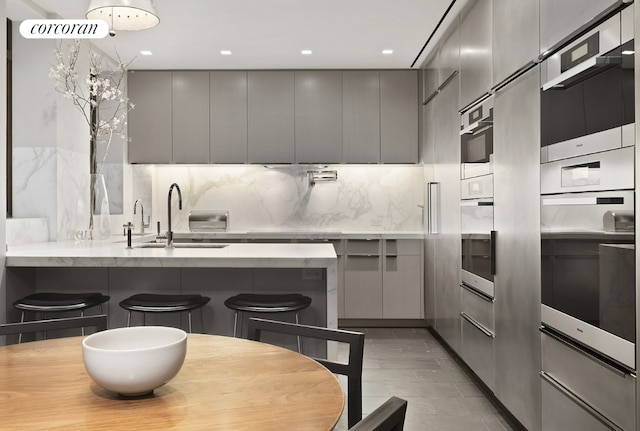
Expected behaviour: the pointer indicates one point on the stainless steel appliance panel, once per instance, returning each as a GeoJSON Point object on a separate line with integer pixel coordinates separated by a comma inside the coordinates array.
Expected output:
{"type": "Point", "coordinates": [477, 187]}
{"type": "Point", "coordinates": [446, 171]}
{"type": "Point", "coordinates": [517, 221]}
{"type": "Point", "coordinates": [558, 18]}
{"type": "Point", "coordinates": [606, 389]}
{"type": "Point", "coordinates": [475, 51]}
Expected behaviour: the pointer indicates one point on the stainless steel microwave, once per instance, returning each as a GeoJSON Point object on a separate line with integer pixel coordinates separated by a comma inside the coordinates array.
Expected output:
{"type": "Point", "coordinates": [587, 95]}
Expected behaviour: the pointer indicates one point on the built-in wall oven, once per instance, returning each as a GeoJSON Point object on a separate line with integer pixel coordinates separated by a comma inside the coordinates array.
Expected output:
{"type": "Point", "coordinates": [587, 192]}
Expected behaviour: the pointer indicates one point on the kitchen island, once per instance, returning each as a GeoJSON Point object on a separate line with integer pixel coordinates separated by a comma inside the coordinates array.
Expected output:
{"type": "Point", "coordinates": [214, 270]}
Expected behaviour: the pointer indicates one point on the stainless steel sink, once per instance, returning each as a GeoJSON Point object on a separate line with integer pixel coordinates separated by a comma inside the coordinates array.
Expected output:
{"type": "Point", "coordinates": [182, 245]}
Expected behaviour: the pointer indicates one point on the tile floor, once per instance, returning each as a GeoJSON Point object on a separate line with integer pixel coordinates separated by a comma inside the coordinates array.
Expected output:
{"type": "Point", "coordinates": [410, 363]}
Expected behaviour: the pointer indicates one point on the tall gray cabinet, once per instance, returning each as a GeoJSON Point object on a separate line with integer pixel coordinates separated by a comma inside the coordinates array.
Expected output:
{"type": "Point", "coordinates": [190, 107]}
{"type": "Point", "coordinates": [271, 135]}
{"type": "Point", "coordinates": [228, 116]}
{"type": "Point", "coordinates": [150, 91]}
{"type": "Point", "coordinates": [361, 116]}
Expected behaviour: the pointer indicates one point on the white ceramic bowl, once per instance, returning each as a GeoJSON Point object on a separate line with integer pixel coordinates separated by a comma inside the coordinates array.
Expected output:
{"type": "Point", "coordinates": [134, 361]}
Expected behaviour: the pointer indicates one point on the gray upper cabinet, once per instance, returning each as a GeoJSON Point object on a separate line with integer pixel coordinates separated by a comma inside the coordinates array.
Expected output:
{"type": "Point", "coordinates": [559, 18]}
{"type": "Point", "coordinates": [361, 116]}
{"type": "Point", "coordinates": [228, 116]}
{"type": "Point", "coordinates": [475, 51]}
{"type": "Point", "coordinates": [429, 76]}
{"type": "Point", "coordinates": [318, 116]}
{"type": "Point", "coordinates": [271, 116]}
{"type": "Point", "coordinates": [190, 116]}
{"type": "Point", "coordinates": [399, 116]}
{"type": "Point", "coordinates": [515, 36]}
{"type": "Point", "coordinates": [149, 123]}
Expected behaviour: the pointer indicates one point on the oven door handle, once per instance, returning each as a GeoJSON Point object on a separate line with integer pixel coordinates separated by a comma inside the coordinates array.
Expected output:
{"type": "Point", "coordinates": [493, 240]}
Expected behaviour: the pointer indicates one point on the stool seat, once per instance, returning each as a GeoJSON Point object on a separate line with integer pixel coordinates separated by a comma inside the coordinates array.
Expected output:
{"type": "Point", "coordinates": [268, 303]}
{"type": "Point", "coordinates": [58, 302]}
{"type": "Point", "coordinates": [162, 303]}
{"type": "Point", "coordinates": [158, 303]}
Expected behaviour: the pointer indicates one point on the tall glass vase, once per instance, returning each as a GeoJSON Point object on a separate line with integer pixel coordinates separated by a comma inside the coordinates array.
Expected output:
{"type": "Point", "coordinates": [92, 218]}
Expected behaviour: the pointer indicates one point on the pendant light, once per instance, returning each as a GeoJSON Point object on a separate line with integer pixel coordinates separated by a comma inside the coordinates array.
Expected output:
{"type": "Point", "coordinates": [124, 14]}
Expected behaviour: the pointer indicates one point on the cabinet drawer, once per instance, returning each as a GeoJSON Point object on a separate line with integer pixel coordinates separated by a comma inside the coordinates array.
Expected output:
{"type": "Point", "coordinates": [477, 351]}
{"type": "Point", "coordinates": [478, 307]}
{"type": "Point", "coordinates": [402, 247]}
{"type": "Point", "coordinates": [561, 413]}
{"type": "Point", "coordinates": [606, 389]}
{"type": "Point", "coordinates": [363, 247]}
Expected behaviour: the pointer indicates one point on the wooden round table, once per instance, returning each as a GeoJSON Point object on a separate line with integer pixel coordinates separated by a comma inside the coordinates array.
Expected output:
{"type": "Point", "coordinates": [225, 384]}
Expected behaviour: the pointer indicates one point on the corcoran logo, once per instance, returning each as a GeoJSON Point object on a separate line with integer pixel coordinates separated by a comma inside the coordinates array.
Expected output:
{"type": "Point", "coordinates": [64, 29]}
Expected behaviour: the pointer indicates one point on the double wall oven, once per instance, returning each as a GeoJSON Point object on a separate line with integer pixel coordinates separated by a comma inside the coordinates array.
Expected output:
{"type": "Point", "coordinates": [587, 214]}
{"type": "Point", "coordinates": [587, 188]}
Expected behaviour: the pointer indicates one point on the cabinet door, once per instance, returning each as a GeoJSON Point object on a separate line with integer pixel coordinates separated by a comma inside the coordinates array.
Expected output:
{"type": "Point", "coordinates": [361, 116]}
{"type": "Point", "coordinates": [362, 280]}
{"type": "Point", "coordinates": [475, 51]}
{"type": "Point", "coordinates": [190, 117]}
{"type": "Point", "coordinates": [402, 280]}
{"type": "Point", "coordinates": [559, 18]}
{"type": "Point", "coordinates": [318, 116]}
{"type": "Point", "coordinates": [399, 116]}
{"type": "Point", "coordinates": [271, 116]}
{"type": "Point", "coordinates": [228, 116]}
{"type": "Point", "coordinates": [515, 36]}
{"type": "Point", "coordinates": [149, 123]}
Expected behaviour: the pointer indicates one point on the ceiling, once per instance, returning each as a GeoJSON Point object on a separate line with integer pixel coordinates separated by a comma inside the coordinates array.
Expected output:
{"type": "Point", "coordinates": [268, 34]}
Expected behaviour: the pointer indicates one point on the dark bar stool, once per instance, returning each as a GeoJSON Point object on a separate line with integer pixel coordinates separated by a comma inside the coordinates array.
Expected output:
{"type": "Point", "coordinates": [53, 302]}
{"type": "Point", "coordinates": [160, 303]}
{"type": "Point", "coordinates": [267, 303]}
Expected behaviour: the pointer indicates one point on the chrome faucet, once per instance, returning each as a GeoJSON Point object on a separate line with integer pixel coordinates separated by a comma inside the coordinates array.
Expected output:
{"type": "Point", "coordinates": [142, 224]}
{"type": "Point", "coordinates": [169, 231]}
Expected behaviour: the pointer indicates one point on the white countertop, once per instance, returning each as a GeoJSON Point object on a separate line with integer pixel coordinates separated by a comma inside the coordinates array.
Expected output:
{"type": "Point", "coordinates": [302, 234]}
{"type": "Point", "coordinates": [115, 254]}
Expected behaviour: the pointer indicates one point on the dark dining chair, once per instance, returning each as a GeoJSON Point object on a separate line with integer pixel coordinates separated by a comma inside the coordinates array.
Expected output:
{"type": "Point", "coordinates": [388, 417]}
{"type": "Point", "coordinates": [98, 321]}
{"type": "Point", "coordinates": [352, 369]}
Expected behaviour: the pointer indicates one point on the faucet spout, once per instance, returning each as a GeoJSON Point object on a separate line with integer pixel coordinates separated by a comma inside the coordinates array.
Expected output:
{"type": "Point", "coordinates": [169, 231]}
{"type": "Point", "coordinates": [142, 225]}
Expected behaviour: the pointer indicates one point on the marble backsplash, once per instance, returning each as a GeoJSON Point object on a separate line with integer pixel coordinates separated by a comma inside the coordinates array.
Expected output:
{"type": "Point", "coordinates": [364, 198]}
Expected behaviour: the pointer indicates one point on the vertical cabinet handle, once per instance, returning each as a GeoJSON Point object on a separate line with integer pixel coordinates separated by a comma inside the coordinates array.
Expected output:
{"type": "Point", "coordinates": [433, 208]}
{"type": "Point", "coordinates": [493, 239]}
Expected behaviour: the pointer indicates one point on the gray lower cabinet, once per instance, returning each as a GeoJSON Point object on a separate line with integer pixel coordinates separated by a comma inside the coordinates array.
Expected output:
{"type": "Point", "coordinates": [475, 51]}
{"type": "Point", "coordinates": [190, 108]}
{"type": "Point", "coordinates": [361, 116]}
{"type": "Point", "coordinates": [150, 122]}
{"type": "Point", "coordinates": [398, 116]}
{"type": "Point", "coordinates": [402, 291]}
{"type": "Point", "coordinates": [515, 36]}
{"type": "Point", "coordinates": [271, 116]}
{"type": "Point", "coordinates": [228, 116]}
{"type": "Point", "coordinates": [363, 279]}
{"type": "Point", "coordinates": [318, 116]}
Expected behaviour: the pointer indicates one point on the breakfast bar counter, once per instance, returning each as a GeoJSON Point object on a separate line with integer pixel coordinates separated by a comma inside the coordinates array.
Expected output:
{"type": "Point", "coordinates": [214, 270]}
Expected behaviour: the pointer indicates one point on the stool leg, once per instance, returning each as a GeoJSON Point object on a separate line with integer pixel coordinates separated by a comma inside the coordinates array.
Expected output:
{"type": "Point", "coordinates": [144, 319]}
{"type": "Point", "coordinates": [235, 324]}
{"type": "Point", "coordinates": [240, 323]}
{"type": "Point", "coordinates": [82, 328]}
{"type": "Point", "coordinates": [129, 319]}
{"type": "Point", "coordinates": [299, 342]}
{"type": "Point", "coordinates": [189, 315]}
{"type": "Point", "coordinates": [21, 321]}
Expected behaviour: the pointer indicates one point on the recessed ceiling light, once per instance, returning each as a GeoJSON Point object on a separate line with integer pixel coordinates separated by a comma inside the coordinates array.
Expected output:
{"type": "Point", "coordinates": [225, 52]}
{"type": "Point", "coordinates": [628, 52]}
{"type": "Point", "coordinates": [146, 52]}
{"type": "Point", "coordinates": [387, 51]}
{"type": "Point", "coordinates": [306, 52]}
